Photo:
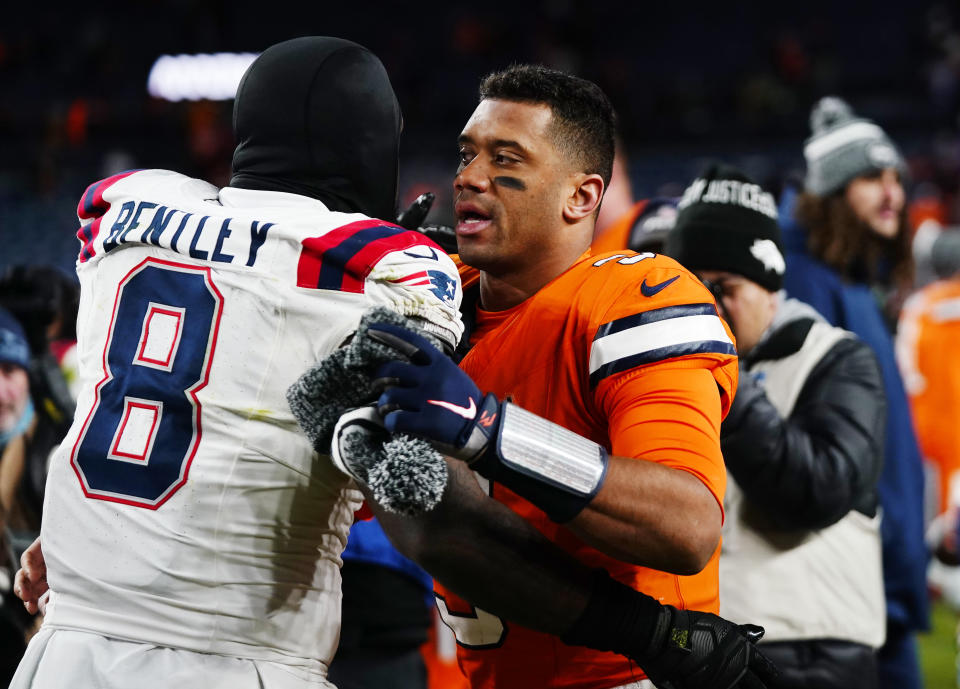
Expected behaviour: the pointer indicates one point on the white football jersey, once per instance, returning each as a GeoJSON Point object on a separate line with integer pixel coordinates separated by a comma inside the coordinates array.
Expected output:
{"type": "Point", "coordinates": [185, 508]}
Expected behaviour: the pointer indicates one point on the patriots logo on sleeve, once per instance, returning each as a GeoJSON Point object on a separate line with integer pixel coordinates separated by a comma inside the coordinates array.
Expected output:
{"type": "Point", "coordinates": [441, 285]}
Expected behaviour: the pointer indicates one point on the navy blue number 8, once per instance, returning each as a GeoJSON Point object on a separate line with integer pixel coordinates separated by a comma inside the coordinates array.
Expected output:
{"type": "Point", "coordinates": [142, 433]}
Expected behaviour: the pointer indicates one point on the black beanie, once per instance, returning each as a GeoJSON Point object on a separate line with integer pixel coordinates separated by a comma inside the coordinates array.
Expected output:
{"type": "Point", "coordinates": [727, 222]}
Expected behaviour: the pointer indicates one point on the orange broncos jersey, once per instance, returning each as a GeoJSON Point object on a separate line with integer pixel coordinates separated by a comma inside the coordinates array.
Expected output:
{"type": "Point", "coordinates": [926, 351]}
{"type": "Point", "coordinates": [628, 350]}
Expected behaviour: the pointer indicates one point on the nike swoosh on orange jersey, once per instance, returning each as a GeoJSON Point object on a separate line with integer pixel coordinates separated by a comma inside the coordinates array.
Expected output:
{"type": "Point", "coordinates": [650, 290]}
{"type": "Point", "coordinates": [465, 412]}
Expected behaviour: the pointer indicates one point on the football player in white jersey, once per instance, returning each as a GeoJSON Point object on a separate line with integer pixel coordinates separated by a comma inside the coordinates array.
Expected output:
{"type": "Point", "coordinates": [191, 533]}
{"type": "Point", "coordinates": [186, 510]}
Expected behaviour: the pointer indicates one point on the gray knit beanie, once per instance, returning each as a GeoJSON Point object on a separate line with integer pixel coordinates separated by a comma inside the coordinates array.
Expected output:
{"type": "Point", "coordinates": [945, 253]}
{"type": "Point", "coordinates": [844, 146]}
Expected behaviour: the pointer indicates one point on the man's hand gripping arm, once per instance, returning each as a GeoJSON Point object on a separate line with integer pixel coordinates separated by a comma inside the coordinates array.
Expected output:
{"type": "Point", "coordinates": [330, 402]}
{"type": "Point", "coordinates": [30, 582]}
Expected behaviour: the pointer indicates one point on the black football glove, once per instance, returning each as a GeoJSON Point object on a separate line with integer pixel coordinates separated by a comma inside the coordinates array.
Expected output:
{"type": "Point", "coordinates": [415, 215]}
{"type": "Point", "coordinates": [443, 235]}
{"type": "Point", "coordinates": [698, 650]}
{"type": "Point", "coordinates": [417, 212]}
{"type": "Point", "coordinates": [677, 649]}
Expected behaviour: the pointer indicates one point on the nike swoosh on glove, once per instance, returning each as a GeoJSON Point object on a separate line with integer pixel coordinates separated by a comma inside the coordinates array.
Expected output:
{"type": "Point", "coordinates": [427, 395]}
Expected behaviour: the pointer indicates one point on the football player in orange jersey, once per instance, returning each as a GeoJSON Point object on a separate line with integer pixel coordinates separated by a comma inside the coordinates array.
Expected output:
{"type": "Point", "coordinates": [616, 371]}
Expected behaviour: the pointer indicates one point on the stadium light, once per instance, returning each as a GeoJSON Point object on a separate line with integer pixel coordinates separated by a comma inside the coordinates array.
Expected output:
{"type": "Point", "coordinates": [198, 77]}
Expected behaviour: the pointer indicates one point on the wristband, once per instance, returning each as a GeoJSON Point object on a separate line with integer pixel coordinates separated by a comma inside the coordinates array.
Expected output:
{"type": "Point", "coordinates": [556, 469]}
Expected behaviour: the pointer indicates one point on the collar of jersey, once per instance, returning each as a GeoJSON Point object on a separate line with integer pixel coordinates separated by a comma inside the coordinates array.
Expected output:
{"type": "Point", "coordinates": [235, 197]}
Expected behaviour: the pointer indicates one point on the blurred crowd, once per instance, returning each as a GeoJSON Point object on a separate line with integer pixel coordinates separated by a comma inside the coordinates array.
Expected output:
{"type": "Point", "coordinates": [38, 313]}
{"type": "Point", "coordinates": [749, 104]}
{"type": "Point", "coordinates": [713, 81]}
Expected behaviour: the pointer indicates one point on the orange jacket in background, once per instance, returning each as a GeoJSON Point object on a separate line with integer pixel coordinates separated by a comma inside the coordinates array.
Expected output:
{"type": "Point", "coordinates": [927, 352]}
{"type": "Point", "coordinates": [616, 236]}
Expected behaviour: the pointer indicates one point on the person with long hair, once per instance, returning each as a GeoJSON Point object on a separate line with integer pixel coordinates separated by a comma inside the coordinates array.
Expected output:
{"type": "Point", "coordinates": [848, 256]}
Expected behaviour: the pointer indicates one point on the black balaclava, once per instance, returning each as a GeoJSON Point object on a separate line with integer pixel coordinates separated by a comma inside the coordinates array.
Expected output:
{"type": "Point", "coordinates": [317, 116]}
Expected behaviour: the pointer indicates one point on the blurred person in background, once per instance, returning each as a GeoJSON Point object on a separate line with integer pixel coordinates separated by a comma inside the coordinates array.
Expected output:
{"type": "Point", "coordinates": [26, 438]}
{"type": "Point", "coordinates": [45, 301]}
{"type": "Point", "coordinates": [926, 351]}
{"type": "Point", "coordinates": [644, 227]}
{"type": "Point", "coordinates": [386, 611]}
{"type": "Point", "coordinates": [848, 256]}
{"type": "Point", "coordinates": [802, 444]}
{"type": "Point", "coordinates": [17, 419]}
{"type": "Point", "coordinates": [16, 407]}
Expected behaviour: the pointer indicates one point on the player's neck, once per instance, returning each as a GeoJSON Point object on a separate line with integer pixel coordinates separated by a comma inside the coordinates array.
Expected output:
{"type": "Point", "coordinates": [501, 290]}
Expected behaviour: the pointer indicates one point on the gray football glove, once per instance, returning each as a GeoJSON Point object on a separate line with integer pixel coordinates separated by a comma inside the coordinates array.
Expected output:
{"type": "Point", "coordinates": [406, 475]}
{"type": "Point", "coordinates": [344, 380]}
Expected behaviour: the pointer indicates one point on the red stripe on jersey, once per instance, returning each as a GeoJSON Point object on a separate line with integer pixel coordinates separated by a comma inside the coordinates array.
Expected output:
{"type": "Point", "coordinates": [348, 267]}
{"type": "Point", "coordinates": [311, 255]}
{"type": "Point", "coordinates": [419, 279]}
{"type": "Point", "coordinates": [92, 205]}
{"type": "Point", "coordinates": [311, 258]}
{"type": "Point", "coordinates": [363, 261]}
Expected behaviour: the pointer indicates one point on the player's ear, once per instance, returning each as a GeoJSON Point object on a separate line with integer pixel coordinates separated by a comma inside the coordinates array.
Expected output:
{"type": "Point", "coordinates": [585, 195]}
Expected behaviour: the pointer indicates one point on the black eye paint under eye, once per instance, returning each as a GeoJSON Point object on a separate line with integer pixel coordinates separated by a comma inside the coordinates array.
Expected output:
{"type": "Point", "coordinates": [510, 183]}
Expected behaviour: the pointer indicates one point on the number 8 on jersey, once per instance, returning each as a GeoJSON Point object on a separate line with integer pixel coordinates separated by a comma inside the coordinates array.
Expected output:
{"type": "Point", "coordinates": [143, 430]}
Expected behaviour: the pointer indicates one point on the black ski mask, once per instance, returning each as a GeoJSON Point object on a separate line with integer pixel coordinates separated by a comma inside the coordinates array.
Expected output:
{"type": "Point", "coordinates": [317, 116]}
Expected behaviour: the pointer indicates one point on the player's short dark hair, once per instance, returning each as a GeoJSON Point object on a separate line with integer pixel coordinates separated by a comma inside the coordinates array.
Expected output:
{"type": "Point", "coordinates": [584, 121]}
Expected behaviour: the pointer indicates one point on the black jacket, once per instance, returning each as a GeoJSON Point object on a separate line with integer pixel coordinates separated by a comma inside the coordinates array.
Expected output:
{"type": "Point", "coordinates": [809, 470]}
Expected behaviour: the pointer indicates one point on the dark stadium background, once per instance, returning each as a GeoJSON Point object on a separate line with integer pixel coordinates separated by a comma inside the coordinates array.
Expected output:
{"type": "Point", "coordinates": [690, 81]}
